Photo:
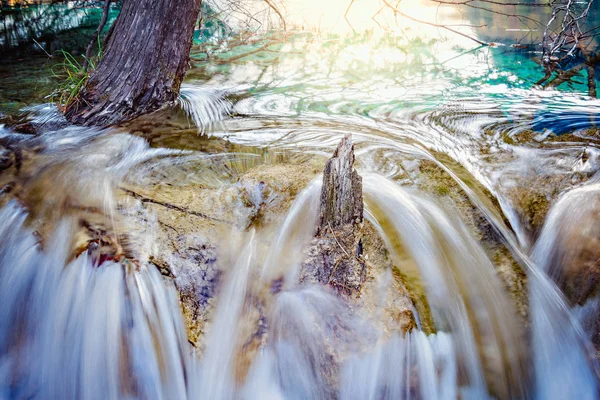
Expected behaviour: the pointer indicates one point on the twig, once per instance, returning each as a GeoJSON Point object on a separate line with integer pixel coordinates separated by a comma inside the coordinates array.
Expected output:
{"type": "Point", "coordinates": [398, 11]}
{"type": "Point", "coordinates": [346, 15]}
{"type": "Point", "coordinates": [336, 240]}
{"type": "Point", "coordinates": [240, 56]}
{"type": "Point", "coordinates": [41, 47]}
{"type": "Point", "coordinates": [278, 13]}
{"type": "Point", "coordinates": [184, 210]}
{"type": "Point", "coordinates": [88, 52]}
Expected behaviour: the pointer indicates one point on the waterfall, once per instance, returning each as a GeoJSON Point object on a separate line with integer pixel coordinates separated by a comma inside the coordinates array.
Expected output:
{"type": "Point", "coordinates": [70, 328]}
{"type": "Point", "coordinates": [389, 371]}
{"type": "Point", "coordinates": [463, 291]}
{"type": "Point", "coordinates": [205, 105]}
{"type": "Point", "coordinates": [562, 363]}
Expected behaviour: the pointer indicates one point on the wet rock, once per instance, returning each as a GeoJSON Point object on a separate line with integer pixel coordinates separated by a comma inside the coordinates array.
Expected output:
{"type": "Point", "coordinates": [574, 260]}
{"type": "Point", "coordinates": [196, 279]}
{"type": "Point", "coordinates": [191, 263]}
{"type": "Point", "coordinates": [189, 221]}
{"type": "Point", "coordinates": [569, 251]}
{"type": "Point", "coordinates": [532, 203]}
{"type": "Point", "coordinates": [386, 298]}
{"type": "Point", "coordinates": [437, 182]}
{"type": "Point", "coordinates": [266, 191]}
{"type": "Point", "coordinates": [35, 120]}
{"type": "Point", "coordinates": [335, 255]}
{"type": "Point", "coordinates": [27, 128]}
{"type": "Point", "coordinates": [6, 158]}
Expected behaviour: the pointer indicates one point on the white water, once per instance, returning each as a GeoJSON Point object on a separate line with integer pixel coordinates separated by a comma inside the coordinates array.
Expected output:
{"type": "Point", "coordinates": [464, 294]}
{"type": "Point", "coordinates": [72, 329]}
{"type": "Point", "coordinates": [389, 371]}
{"type": "Point", "coordinates": [76, 330]}
{"type": "Point", "coordinates": [561, 350]}
{"type": "Point", "coordinates": [205, 105]}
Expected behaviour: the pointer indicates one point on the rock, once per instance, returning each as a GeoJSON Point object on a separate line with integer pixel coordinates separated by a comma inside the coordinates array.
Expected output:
{"type": "Point", "coordinates": [334, 256]}
{"type": "Point", "coordinates": [573, 232]}
{"type": "Point", "coordinates": [189, 222]}
{"type": "Point", "coordinates": [267, 191]}
{"type": "Point", "coordinates": [432, 179]}
{"type": "Point", "coordinates": [27, 128]}
{"type": "Point", "coordinates": [6, 159]}
{"type": "Point", "coordinates": [196, 278]}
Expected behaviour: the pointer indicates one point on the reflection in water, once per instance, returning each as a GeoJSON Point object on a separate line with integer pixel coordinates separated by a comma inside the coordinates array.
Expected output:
{"type": "Point", "coordinates": [37, 24]}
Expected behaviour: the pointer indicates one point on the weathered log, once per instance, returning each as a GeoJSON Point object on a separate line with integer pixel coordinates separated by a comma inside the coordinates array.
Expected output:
{"type": "Point", "coordinates": [334, 257]}
{"type": "Point", "coordinates": [565, 76]}
{"type": "Point", "coordinates": [341, 195]}
{"type": "Point", "coordinates": [146, 57]}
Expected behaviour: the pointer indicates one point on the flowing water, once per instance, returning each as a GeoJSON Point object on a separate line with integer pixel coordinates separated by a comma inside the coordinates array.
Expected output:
{"type": "Point", "coordinates": [116, 242]}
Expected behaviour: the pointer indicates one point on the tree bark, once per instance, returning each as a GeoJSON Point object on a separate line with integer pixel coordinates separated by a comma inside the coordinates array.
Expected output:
{"type": "Point", "coordinates": [334, 257]}
{"type": "Point", "coordinates": [146, 57]}
{"type": "Point", "coordinates": [341, 195]}
{"type": "Point", "coordinates": [591, 70]}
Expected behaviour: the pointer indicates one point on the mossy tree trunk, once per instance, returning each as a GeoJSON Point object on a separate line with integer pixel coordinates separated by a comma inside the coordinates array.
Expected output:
{"type": "Point", "coordinates": [144, 62]}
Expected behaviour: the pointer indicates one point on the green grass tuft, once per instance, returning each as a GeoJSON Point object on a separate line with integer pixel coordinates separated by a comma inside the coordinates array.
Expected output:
{"type": "Point", "coordinates": [72, 77]}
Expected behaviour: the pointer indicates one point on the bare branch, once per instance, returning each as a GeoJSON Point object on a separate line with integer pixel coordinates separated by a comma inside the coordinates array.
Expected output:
{"type": "Point", "coordinates": [399, 12]}
{"type": "Point", "coordinates": [94, 38]}
{"type": "Point", "coordinates": [278, 13]}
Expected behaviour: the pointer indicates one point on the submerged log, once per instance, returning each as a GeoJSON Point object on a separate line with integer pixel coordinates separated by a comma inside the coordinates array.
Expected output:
{"type": "Point", "coordinates": [146, 57]}
{"type": "Point", "coordinates": [334, 256]}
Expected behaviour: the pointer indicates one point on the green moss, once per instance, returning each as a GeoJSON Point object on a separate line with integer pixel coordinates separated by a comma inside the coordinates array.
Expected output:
{"type": "Point", "coordinates": [418, 296]}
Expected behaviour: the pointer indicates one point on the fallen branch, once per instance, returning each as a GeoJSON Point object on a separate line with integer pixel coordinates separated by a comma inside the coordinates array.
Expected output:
{"type": "Point", "coordinates": [231, 59]}
{"type": "Point", "coordinates": [184, 210]}
{"type": "Point", "coordinates": [564, 76]}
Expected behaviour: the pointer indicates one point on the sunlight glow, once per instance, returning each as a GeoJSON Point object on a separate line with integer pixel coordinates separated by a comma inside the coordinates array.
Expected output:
{"type": "Point", "coordinates": [341, 16]}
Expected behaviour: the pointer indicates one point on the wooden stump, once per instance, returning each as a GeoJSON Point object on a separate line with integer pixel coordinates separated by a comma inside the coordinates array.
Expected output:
{"type": "Point", "coordinates": [334, 256]}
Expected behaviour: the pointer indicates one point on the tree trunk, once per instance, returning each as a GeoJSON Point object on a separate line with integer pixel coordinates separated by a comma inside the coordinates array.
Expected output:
{"type": "Point", "coordinates": [146, 57]}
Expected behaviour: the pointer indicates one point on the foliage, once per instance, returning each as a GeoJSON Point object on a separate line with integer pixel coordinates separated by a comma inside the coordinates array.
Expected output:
{"type": "Point", "coordinates": [72, 76]}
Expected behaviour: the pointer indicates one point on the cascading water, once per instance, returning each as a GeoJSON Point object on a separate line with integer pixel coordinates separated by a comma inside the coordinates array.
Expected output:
{"type": "Point", "coordinates": [81, 330]}
{"type": "Point", "coordinates": [78, 329]}
{"type": "Point", "coordinates": [244, 184]}
{"type": "Point", "coordinates": [389, 372]}
{"type": "Point", "coordinates": [205, 105]}
{"type": "Point", "coordinates": [558, 339]}
{"type": "Point", "coordinates": [463, 292]}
